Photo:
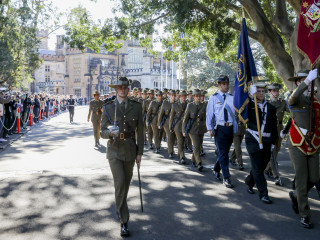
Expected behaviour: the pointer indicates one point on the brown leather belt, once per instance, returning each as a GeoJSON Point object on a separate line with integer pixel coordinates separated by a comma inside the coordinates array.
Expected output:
{"type": "Point", "coordinates": [126, 135]}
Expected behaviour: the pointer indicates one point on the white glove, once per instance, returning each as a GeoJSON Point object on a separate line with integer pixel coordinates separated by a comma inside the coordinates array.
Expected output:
{"type": "Point", "coordinates": [253, 89]}
{"type": "Point", "coordinates": [272, 147]}
{"type": "Point", "coordinates": [281, 134]}
{"type": "Point", "coordinates": [312, 75]}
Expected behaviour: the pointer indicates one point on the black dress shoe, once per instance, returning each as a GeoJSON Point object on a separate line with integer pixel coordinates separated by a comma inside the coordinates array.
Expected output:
{"type": "Point", "coordinates": [266, 199]}
{"type": "Point", "coordinates": [217, 175]}
{"type": "Point", "coordinates": [294, 202]}
{"type": "Point", "coordinates": [227, 183]}
{"type": "Point", "coordinates": [124, 232]}
{"type": "Point", "coordinates": [202, 153]}
{"type": "Point", "coordinates": [151, 146]}
{"type": "Point", "coordinates": [171, 155]}
{"type": "Point", "coordinates": [158, 150]}
{"type": "Point", "coordinates": [241, 167]}
{"type": "Point", "coordinates": [250, 190]}
{"type": "Point", "coordinates": [278, 181]}
{"type": "Point", "coordinates": [200, 167]}
{"type": "Point", "coordinates": [182, 160]}
{"type": "Point", "coordinates": [305, 222]}
{"type": "Point", "coordinates": [269, 174]}
{"type": "Point", "coordinates": [194, 164]}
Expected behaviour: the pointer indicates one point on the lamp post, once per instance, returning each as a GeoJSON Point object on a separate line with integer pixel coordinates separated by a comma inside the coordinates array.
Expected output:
{"type": "Point", "coordinates": [89, 85]}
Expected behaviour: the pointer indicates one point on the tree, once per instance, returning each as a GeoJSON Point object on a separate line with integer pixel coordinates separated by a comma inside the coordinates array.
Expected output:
{"type": "Point", "coordinates": [19, 21]}
{"type": "Point", "coordinates": [272, 23]}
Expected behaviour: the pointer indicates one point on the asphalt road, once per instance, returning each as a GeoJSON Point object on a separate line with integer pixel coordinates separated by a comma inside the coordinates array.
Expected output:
{"type": "Point", "coordinates": [55, 185]}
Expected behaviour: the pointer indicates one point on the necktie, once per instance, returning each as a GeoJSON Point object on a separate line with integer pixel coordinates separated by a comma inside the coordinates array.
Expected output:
{"type": "Point", "coordinates": [225, 110]}
{"type": "Point", "coordinates": [123, 107]}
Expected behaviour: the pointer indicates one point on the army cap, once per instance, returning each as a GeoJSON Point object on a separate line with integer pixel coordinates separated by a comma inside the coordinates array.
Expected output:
{"type": "Point", "coordinates": [123, 81]}
{"type": "Point", "coordinates": [151, 91]}
{"type": "Point", "coordinates": [172, 91]}
{"type": "Point", "coordinates": [274, 86]}
{"type": "Point", "coordinates": [165, 90]}
{"type": "Point", "coordinates": [139, 89]}
{"type": "Point", "coordinates": [191, 92]}
{"type": "Point", "coordinates": [183, 93]}
{"type": "Point", "coordinates": [260, 84]}
{"type": "Point", "coordinates": [159, 93]}
{"type": "Point", "coordinates": [135, 89]}
{"type": "Point", "coordinates": [96, 93]}
{"type": "Point", "coordinates": [223, 78]}
{"type": "Point", "coordinates": [299, 75]}
{"type": "Point", "coordinates": [145, 91]}
{"type": "Point", "coordinates": [178, 91]}
{"type": "Point", "coordinates": [196, 92]}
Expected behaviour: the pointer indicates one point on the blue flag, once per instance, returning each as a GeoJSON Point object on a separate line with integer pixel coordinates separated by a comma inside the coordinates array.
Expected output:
{"type": "Point", "coordinates": [246, 70]}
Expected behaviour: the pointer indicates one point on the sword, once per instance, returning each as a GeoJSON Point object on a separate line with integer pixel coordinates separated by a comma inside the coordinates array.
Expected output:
{"type": "Point", "coordinates": [140, 188]}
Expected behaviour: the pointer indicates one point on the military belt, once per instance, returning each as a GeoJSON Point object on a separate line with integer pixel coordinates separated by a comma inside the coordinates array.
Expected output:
{"type": "Point", "coordinates": [126, 135]}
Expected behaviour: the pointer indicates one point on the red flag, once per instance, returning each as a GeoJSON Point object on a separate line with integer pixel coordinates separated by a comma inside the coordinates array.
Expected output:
{"type": "Point", "coordinates": [309, 31]}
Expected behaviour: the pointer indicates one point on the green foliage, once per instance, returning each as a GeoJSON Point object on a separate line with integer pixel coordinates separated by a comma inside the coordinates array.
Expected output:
{"type": "Point", "coordinates": [18, 41]}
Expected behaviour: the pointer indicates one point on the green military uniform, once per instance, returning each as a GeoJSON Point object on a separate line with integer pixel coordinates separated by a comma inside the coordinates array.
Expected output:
{"type": "Point", "coordinates": [163, 122]}
{"type": "Point", "coordinates": [281, 107]}
{"type": "Point", "coordinates": [152, 120]}
{"type": "Point", "coordinates": [237, 140]}
{"type": "Point", "coordinates": [149, 129]}
{"type": "Point", "coordinates": [123, 149]}
{"type": "Point", "coordinates": [95, 108]}
{"type": "Point", "coordinates": [176, 116]}
{"type": "Point", "coordinates": [305, 157]}
{"type": "Point", "coordinates": [144, 103]}
{"type": "Point", "coordinates": [195, 120]}
{"type": "Point", "coordinates": [203, 94]}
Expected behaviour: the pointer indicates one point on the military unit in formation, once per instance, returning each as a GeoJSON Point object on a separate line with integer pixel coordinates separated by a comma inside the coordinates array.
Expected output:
{"type": "Point", "coordinates": [132, 120]}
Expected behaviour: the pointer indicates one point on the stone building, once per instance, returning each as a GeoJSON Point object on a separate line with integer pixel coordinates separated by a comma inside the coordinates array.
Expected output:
{"type": "Point", "coordinates": [86, 71]}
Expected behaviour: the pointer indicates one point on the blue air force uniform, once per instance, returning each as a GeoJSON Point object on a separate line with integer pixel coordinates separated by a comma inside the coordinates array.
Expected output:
{"type": "Point", "coordinates": [221, 121]}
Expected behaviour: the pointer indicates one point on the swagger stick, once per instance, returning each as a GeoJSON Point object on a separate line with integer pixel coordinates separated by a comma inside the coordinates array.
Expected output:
{"type": "Point", "coordinates": [140, 188]}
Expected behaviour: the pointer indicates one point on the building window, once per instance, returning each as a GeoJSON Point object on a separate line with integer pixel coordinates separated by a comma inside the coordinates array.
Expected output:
{"type": "Point", "coordinates": [47, 78]}
{"type": "Point", "coordinates": [47, 68]}
{"type": "Point", "coordinates": [155, 84]}
{"type": "Point", "coordinates": [77, 92]}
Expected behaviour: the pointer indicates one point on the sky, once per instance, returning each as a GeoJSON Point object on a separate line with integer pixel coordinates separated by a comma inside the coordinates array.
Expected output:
{"type": "Point", "coordinates": [100, 9]}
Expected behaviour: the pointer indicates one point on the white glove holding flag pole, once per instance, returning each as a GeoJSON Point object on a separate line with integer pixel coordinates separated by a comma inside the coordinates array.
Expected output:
{"type": "Point", "coordinates": [272, 147]}
{"type": "Point", "coordinates": [253, 89]}
{"type": "Point", "coordinates": [313, 74]}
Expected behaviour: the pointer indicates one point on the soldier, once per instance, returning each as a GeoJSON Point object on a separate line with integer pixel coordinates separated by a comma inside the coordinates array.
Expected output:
{"type": "Point", "coordinates": [175, 123]}
{"type": "Point", "coordinates": [281, 107]}
{"type": "Point", "coordinates": [71, 104]}
{"type": "Point", "coordinates": [202, 99]}
{"type": "Point", "coordinates": [237, 140]}
{"type": "Point", "coordinates": [260, 153]}
{"type": "Point", "coordinates": [165, 94]}
{"type": "Point", "coordinates": [303, 144]}
{"type": "Point", "coordinates": [163, 121]}
{"type": "Point", "coordinates": [95, 107]}
{"type": "Point", "coordinates": [152, 119]}
{"type": "Point", "coordinates": [190, 96]}
{"type": "Point", "coordinates": [144, 113]}
{"type": "Point", "coordinates": [123, 150]}
{"type": "Point", "coordinates": [221, 124]}
{"type": "Point", "coordinates": [194, 124]}
{"type": "Point", "coordinates": [146, 107]}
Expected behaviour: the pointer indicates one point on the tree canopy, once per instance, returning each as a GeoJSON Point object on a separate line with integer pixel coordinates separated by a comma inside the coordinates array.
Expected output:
{"type": "Point", "coordinates": [272, 23]}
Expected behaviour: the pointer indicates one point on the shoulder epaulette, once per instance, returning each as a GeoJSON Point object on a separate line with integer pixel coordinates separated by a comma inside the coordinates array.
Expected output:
{"type": "Point", "coordinates": [215, 94]}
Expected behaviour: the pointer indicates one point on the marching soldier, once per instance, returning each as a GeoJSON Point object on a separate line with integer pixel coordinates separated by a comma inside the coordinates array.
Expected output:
{"type": "Point", "coordinates": [194, 124]}
{"type": "Point", "coordinates": [175, 123]}
{"type": "Point", "coordinates": [281, 107]}
{"type": "Point", "coordinates": [202, 99]}
{"type": "Point", "coordinates": [237, 140]}
{"type": "Point", "coordinates": [165, 94]}
{"type": "Point", "coordinates": [123, 150]}
{"type": "Point", "coordinates": [190, 96]}
{"type": "Point", "coordinates": [144, 113]}
{"type": "Point", "coordinates": [95, 107]}
{"type": "Point", "coordinates": [303, 144]}
{"type": "Point", "coordinates": [146, 107]}
{"type": "Point", "coordinates": [221, 124]}
{"type": "Point", "coordinates": [163, 121]}
{"type": "Point", "coordinates": [152, 119]}
{"type": "Point", "coordinates": [260, 155]}
{"type": "Point", "coordinates": [71, 103]}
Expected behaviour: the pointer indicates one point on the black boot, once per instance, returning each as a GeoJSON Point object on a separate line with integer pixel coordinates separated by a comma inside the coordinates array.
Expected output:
{"type": "Point", "coordinates": [124, 232]}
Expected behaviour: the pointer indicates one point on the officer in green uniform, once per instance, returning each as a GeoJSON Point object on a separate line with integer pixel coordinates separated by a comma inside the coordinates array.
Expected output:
{"type": "Point", "coordinates": [152, 119]}
{"type": "Point", "coordinates": [144, 113]}
{"type": "Point", "coordinates": [281, 107]}
{"type": "Point", "coordinates": [163, 120]}
{"type": "Point", "coordinates": [175, 123]}
{"type": "Point", "coordinates": [202, 99]}
{"type": "Point", "coordinates": [123, 148]}
{"type": "Point", "coordinates": [188, 141]}
{"type": "Point", "coordinates": [95, 108]}
{"type": "Point", "coordinates": [303, 144]}
{"type": "Point", "coordinates": [194, 124]}
{"type": "Point", "coordinates": [237, 140]}
{"type": "Point", "coordinates": [146, 107]}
